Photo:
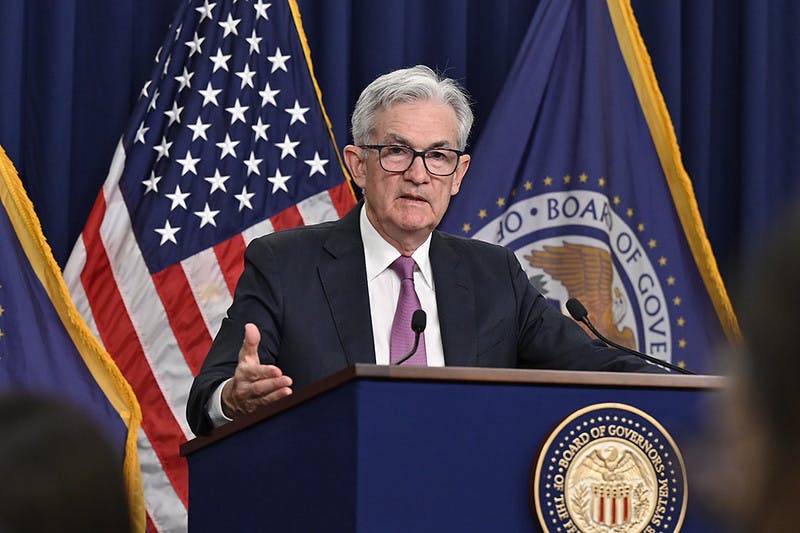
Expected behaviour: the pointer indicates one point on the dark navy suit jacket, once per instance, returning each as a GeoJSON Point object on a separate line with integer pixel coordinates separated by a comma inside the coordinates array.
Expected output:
{"type": "Point", "coordinates": [306, 290]}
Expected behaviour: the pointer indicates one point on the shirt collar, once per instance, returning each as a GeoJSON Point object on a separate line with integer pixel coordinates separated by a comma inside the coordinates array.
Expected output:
{"type": "Point", "coordinates": [379, 254]}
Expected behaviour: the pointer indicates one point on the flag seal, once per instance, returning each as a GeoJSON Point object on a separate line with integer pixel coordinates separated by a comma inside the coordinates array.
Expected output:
{"type": "Point", "coordinates": [609, 467]}
{"type": "Point", "coordinates": [586, 243]}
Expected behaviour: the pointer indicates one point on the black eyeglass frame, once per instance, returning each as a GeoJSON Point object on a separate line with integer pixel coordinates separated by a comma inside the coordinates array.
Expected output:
{"type": "Point", "coordinates": [416, 153]}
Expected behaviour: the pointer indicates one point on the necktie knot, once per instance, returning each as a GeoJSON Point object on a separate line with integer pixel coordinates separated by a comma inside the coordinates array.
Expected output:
{"type": "Point", "coordinates": [404, 267]}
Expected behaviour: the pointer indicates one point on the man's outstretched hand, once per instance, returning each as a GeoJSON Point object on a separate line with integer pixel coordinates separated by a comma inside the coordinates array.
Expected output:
{"type": "Point", "coordinates": [253, 384]}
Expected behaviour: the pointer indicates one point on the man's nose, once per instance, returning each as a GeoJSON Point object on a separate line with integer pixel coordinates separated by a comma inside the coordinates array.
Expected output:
{"type": "Point", "coordinates": [417, 171]}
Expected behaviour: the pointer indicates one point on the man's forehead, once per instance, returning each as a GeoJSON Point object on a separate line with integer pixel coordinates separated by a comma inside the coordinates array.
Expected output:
{"type": "Point", "coordinates": [432, 123]}
{"type": "Point", "coordinates": [393, 138]}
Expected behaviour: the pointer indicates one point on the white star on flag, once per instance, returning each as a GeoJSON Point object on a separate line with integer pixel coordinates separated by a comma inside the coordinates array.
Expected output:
{"type": "Point", "coordinates": [207, 216]}
{"type": "Point", "coordinates": [174, 114]}
{"type": "Point", "coordinates": [237, 112]}
{"type": "Point", "coordinates": [162, 149]}
{"type": "Point", "coordinates": [252, 164]}
{"type": "Point", "coordinates": [278, 61]}
{"type": "Point", "coordinates": [167, 233]}
{"type": "Point", "coordinates": [230, 26]}
{"type": "Point", "coordinates": [140, 133]}
{"type": "Point", "coordinates": [268, 96]}
{"type": "Point", "coordinates": [194, 45]}
{"type": "Point", "coordinates": [297, 113]}
{"type": "Point", "coordinates": [261, 9]}
{"type": "Point", "coordinates": [287, 146]}
{"type": "Point", "coordinates": [178, 198]}
{"type": "Point", "coordinates": [209, 95]}
{"type": "Point", "coordinates": [260, 129]}
{"type": "Point", "coordinates": [185, 79]}
{"type": "Point", "coordinates": [199, 129]}
{"type": "Point", "coordinates": [220, 60]}
{"type": "Point", "coordinates": [217, 182]}
{"type": "Point", "coordinates": [228, 147]}
{"type": "Point", "coordinates": [253, 41]}
{"type": "Point", "coordinates": [317, 164]}
{"type": "Point", "coordinates": [206, 10]}
{"type": "Point", "coordinates": [152, 183]}
{"type": "Point", "coordinates": [244, 198]}
{"type": "Point", "coordinates": [247, 76]}
{"type": "Point", "coordinates": [278, 181]}
{"type": "Point", "coordinates": [154, 101]}
{"type": "Point", "coordinates": [189, 163]}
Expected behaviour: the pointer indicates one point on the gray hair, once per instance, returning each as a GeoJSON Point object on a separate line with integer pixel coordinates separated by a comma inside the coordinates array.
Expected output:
{"type": "Point", "coordinates": [405, 86]}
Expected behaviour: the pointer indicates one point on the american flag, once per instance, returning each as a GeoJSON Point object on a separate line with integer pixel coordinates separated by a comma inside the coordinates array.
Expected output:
{"type": "Point", "coordinates": [229, 141]}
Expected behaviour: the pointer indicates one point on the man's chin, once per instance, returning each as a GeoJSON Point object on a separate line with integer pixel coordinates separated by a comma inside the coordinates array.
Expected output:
{"type": "Point", "coordinates": [415, 216]}
{"type": "Point", "coordinates": [417, 225]}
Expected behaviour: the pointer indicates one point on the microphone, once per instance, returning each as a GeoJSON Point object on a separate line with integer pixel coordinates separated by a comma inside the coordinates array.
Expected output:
{"type": "Point", "coordinates": [418, 321]}
{"type": "Point", "coordinates": [580, 314]}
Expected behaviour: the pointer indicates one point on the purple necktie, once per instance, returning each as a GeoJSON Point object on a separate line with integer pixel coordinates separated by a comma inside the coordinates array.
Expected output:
{"type": "Point", "coordinates": [402, 335]}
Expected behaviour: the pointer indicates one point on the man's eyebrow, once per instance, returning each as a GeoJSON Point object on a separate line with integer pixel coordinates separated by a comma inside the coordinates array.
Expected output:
{"type": "Point", "coordinates": [397, 139]}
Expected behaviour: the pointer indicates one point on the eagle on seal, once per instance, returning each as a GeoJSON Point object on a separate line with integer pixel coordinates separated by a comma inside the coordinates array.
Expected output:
{"type": "Point", "coordinates": [587, 274]}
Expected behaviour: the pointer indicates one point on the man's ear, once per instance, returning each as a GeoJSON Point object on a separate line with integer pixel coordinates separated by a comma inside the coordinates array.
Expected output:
{"type": "Point", "coordinates": [355, 163]}
{"type": "Point", "coordinates": [463, 165]}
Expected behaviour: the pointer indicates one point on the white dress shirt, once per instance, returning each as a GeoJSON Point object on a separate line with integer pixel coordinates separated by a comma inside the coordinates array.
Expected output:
{"type": "Point", "coordinates": [384, 290]}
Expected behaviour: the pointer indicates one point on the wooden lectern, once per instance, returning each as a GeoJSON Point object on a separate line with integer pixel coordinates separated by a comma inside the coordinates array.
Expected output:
{"type": "Point", "coordinates": [385, 449]}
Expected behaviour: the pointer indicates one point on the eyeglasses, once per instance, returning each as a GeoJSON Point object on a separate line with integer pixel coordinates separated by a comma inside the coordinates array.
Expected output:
{"type": "Point", "coordinates": [399, 158]}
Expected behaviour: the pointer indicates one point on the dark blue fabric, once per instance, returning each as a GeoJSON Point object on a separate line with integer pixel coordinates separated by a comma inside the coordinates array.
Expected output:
{"type": "Point", "coordinates": [37, 353]}
{"type": "Point", "coordinates": [70, 72]}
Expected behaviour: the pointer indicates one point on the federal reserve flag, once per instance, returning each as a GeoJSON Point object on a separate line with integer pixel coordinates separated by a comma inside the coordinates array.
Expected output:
{"type": "Point", "coordinates": [45, 345]}
{"type": "Point", "coordinates": [229, 141]}
{"type": "Point", "coordinates": [578, 171]}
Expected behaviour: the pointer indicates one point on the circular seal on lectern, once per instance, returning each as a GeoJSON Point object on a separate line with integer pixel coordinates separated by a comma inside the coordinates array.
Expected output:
{"type": "Point", "coordinates": [609, 468]}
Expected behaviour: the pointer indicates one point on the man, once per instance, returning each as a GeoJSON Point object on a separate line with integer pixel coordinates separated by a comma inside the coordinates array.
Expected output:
{"type": "Point", "coordinates": [314, 300]}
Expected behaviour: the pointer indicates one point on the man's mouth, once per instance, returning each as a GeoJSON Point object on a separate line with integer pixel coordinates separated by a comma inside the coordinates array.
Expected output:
{"type": "Point", "coordinates": [413, 198]}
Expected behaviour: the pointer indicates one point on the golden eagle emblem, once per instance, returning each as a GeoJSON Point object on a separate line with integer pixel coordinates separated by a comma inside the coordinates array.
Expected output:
{"type": "Point", "coordinates": [587, 274]}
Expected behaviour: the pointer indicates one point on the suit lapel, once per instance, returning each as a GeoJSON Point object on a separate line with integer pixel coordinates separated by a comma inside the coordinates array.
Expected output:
{"type": "Point", "coordinates": [456, 302]}
{"type": "Point", "coordinates": [344, 279]}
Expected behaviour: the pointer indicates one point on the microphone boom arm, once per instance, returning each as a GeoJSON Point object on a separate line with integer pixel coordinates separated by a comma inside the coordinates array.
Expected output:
{"type": "Point", "coordinates": [579, 313]}
{"type": "Point", "coordinates": [650, 358]}
{"type": "Point", "coordinates": [407, 356]}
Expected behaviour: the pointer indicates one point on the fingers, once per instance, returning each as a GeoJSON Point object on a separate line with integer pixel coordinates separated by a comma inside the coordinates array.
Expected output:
{"type": "Point", "coordinates": [276, 394]}
{"type": "Point", "coordinates": [267, 387]}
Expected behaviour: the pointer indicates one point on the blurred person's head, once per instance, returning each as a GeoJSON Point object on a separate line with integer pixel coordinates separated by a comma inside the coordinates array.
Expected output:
{"type": "Point", "coordinates": [765, 407]}
{"type": "Point", "coordinates": [58, 470]}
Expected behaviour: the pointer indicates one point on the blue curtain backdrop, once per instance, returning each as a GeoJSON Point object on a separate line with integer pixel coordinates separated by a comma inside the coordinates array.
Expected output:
{"type": "Point", "coordinates": [70, 71]}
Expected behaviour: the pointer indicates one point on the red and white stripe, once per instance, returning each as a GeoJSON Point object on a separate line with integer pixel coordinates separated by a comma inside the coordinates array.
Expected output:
{"type": "Point", "coordinates": [159, 328]}
{"type": "Point", "coordinates": [612, 511]}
